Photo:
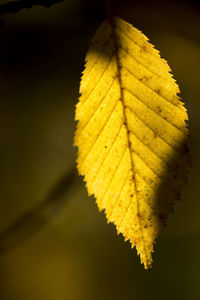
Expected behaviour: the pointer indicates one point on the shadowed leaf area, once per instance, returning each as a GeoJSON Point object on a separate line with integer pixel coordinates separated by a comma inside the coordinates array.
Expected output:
{"type": "Point", "coordinates": [131, 134]}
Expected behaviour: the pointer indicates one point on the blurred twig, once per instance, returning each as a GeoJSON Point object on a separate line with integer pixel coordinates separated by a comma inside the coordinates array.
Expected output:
{"type": "Point", "coordinates": [32, 221]}
{"type": "Point", "coordinates": [15, 6]}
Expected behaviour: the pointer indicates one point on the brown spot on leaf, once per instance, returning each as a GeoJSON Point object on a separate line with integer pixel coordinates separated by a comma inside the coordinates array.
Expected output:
{"type": "Point", "coordinates": [158, 91]}
{"type": "Point", "coordinates": [144, 47]}
{"type": "Point", "coordinates": [144, 78]}
{"type": "Point", "coordinates": [115, 76]}
{"type": "Point", "coordinates": [159, 109]}
{"type": "Point", "coordinates": [146, 225]}
{"type": "Point", "coordinates": [133, 177]}
{"type": "Point", "coordinates": [126, 49]}
{"type": "Point", "coordinates": [155, 135]}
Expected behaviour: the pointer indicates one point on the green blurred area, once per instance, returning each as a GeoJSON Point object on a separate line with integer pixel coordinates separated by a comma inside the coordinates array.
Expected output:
{"type": "Point", "coordinates": [78, 255]}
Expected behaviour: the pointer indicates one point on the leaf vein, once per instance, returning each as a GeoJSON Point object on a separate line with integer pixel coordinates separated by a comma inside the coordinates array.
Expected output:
{"type": "Point", "coordinates": [146, 164]}
{"type": "Point", "coordinates": [139, 139]}
{"type": "Point", "coordinates": [139, 62]}
{"type": "Point", "coordinates": [147, 126]}
{"type": "Point", "coordinates": [99, 133]}
{"type": "Point", "coordinates": [99, 79]}
{"type": "Point", "coordinates": [118, 196]}
{"type": "Point", "coordinates": [158, 58]}
{"type": "Point", "coordinates": [166, 120]}
{"type": "Point", "coordinates": [113, 142]}
{"type": "Point", "coordinates": [101, 102]}
{"type": "Point", "coordinates": [113, 175]}
{"type": "Point", "coordinates": [99, 53]}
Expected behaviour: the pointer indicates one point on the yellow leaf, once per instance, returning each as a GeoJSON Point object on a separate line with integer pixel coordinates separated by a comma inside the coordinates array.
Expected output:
{"type": "Point", "coordinates": [131, 134]}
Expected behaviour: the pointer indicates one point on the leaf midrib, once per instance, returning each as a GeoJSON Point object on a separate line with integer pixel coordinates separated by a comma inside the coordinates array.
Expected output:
{"type": "Point", "coordinates": [119, 67]}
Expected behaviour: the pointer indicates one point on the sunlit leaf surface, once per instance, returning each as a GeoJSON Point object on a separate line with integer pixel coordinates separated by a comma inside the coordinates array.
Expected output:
{"type": "Point", "coordinates": [131, 134]}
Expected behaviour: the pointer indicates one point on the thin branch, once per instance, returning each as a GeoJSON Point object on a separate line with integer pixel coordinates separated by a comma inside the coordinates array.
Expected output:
{"type": "Point", "coordinates": [28, 224]}
{"type": "Point", "coordinates": [15, 6]}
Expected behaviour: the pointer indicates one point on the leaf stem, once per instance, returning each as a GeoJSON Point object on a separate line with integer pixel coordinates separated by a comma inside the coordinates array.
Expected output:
{"type": "Point", "coordinates": [108, 11]}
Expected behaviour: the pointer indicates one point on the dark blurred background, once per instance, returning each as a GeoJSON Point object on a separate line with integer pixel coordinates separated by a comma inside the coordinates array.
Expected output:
{"type": "Point", "coordinates": [77, 255]}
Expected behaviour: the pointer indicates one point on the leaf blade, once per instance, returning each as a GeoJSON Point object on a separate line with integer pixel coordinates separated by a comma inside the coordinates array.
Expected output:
{"type": "Point", "coordinates": [131, 125]}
